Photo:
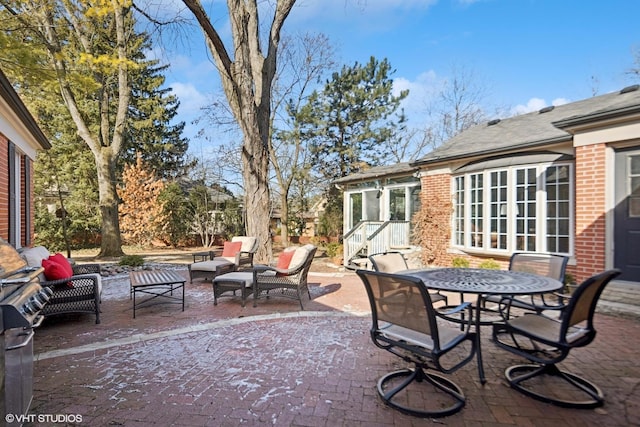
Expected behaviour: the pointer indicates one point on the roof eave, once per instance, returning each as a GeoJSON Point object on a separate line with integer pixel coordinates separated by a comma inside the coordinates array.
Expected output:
{"type": "Point", "coordinates": [597, 117]}
{"type": "Point", "coordinates": [510, 149]}
{"type": "Point", "coordinates": [15, 103]}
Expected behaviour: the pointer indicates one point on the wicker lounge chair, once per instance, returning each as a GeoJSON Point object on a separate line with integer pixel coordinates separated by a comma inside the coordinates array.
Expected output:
{"type": "Point", "coordinates": [231, 259]}
{"type": "Point", "coordinates": [78, 294]}
{"type": "Point", "coordinates": [288, 282]}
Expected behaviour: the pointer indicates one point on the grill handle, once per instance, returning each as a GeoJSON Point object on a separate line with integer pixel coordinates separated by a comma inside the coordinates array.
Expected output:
{"type": "Point", "coordinates": [29, 335]}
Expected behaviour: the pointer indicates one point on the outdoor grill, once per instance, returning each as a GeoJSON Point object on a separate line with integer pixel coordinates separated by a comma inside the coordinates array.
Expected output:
{"type": "Point", "coordinates": [21, 299]}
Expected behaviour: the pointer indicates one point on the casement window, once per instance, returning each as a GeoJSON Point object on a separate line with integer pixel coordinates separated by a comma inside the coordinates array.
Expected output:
{"type": "Point", "coordinates": [514, 208]}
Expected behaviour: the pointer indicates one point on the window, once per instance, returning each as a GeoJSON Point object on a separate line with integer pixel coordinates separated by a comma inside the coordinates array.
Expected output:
{"type": "Point", "coordinates": [476, 209]}
{"type": "Point", "coordinates": [516, 208]}
{"type": "Point", "coordinates": [458, 211]}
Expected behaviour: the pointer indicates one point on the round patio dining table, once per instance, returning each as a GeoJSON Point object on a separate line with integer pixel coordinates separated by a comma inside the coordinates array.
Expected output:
{"type": "Point", "coordinates": [484, 282]}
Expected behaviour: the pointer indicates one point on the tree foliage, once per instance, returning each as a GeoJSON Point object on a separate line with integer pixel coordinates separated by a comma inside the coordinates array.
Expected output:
{"type": "Point", "coordinates": [350, 125]}
{"type": "Point", "coordinates": [151, 133]}
{"type": "Point", "coordinates": [83, 53]}
{"type": "Point", "coordinates": [352, 119]}
{"type": "Point", "coordinates": [141, 211]}
{"type": "Point", "coordinates": [176, 213]}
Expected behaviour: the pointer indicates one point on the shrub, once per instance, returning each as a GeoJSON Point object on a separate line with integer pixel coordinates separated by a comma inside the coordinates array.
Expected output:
{"type": "Point", "coordinates": [333, 249]}
{"type": "Point", "coordinates": [459, 262]}
{"type": "Point", "coordinates": [489, 264]}
{"type": "Point", "coordinates": [132, 260]}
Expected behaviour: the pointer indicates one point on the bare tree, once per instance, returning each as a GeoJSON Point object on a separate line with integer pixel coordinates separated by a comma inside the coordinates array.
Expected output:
{"type": "Point", "coordinates": [303, 61]}
{"type": "Point", "coordinates": [247, 76]}
{"type": "Point", "coordinates": [458, 106]}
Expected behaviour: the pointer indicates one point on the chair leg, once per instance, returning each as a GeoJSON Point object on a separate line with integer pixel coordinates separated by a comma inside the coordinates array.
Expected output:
{"type": "Point", "coordinates": [517, 375]}
{"type": "Point", "coordinates": [418, 375]}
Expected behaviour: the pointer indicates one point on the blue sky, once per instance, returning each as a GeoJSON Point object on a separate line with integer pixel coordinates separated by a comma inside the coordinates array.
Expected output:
{"type": "Point", "coordinates": [525, 53]}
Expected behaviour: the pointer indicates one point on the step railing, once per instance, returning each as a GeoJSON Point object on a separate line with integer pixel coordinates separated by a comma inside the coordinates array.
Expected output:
{"type": "Point", "coordinates": [371, 237]}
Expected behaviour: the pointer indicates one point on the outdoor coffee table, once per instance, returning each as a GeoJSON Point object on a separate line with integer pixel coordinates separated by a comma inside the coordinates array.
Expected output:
{"type": "Point", "coordinates": [236, 281]}
{"type": "Point", "coordinates": [158, 284]}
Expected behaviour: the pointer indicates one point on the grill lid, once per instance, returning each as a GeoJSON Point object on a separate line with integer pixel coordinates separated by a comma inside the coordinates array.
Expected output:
{"type": "Point", "coordinates": [10, 260]}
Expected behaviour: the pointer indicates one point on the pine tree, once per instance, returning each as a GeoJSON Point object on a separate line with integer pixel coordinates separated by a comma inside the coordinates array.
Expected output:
{"type": "Point", "coordinates": [150, 132]}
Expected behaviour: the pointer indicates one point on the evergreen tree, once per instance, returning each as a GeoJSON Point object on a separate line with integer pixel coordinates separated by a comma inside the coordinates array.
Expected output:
{"type": "Point", "coordinates": [151, 111]}
{"type": "Point", "coordinates": [350, 124]}
{"type": "Point", "coordinates": [352, 120]}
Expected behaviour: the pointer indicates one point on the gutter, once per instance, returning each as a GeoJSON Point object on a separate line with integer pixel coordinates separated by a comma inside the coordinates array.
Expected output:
{"type": "Point", "coordinates": [511, 149]}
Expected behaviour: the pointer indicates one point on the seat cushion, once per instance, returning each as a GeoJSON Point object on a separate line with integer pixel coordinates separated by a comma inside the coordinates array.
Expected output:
{"type": "Point", "coordinates": [55, 271]}
{"type": "Point", "coordinates": [284, 260]}
{"type": "Point", "coordinates": [34, 256]}
{"type": "Point", "coordinates": [64, 263]}
{"type": "Point", "coordinates": [209, 265]}
{"type": "Point", "coordinates": [241, 278]}
{"type": "Point", "coordinates": [248, 243]}
{"type": "Point", "coordinates": [299, 257]}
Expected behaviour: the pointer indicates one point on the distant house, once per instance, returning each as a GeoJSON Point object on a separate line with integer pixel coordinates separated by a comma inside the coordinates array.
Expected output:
{"type": "Point", "coordinates": [20, 139]}
{"type": "Point", "coordinates": [564, 179]}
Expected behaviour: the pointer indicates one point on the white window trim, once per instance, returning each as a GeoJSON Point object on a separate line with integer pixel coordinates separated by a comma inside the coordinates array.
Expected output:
{"type": "Point", "coordinates": [540, 200]}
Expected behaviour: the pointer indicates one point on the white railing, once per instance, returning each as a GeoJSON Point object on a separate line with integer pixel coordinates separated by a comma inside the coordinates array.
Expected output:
{"type": "Point", "coordinates": [371, 237]}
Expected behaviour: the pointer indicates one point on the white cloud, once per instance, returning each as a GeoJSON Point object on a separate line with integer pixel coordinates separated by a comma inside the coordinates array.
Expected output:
{"type": "Point", "coordinates": [559, 101]}
{"type": "Point", "coordinates": [191, 99]}
{"type": "Point", "coordinates": [422, 90]}
{"type": "Point", "coordinates": [535, 104]}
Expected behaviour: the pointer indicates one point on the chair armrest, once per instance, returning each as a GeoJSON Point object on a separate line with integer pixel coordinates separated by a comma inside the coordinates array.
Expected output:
{"type": "Point", "coordinates": [455, 310]}
{"type": "Point", "coordinates": [77, 280]}
{"type": "Point", "coordinates": [86, 269]}
{"type": "Point", "coordinates": [261, 269]}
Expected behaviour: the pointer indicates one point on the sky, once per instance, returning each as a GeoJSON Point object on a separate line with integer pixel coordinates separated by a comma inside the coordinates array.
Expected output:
{"type": "Point", "coordinates": [526, 54]}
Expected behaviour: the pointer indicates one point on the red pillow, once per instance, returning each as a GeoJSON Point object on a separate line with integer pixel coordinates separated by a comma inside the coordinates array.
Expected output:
{"type": "Point", "coordinates": [231, 248]}
{"type": "Point", "coordinates": [54, 271]}
{"type": "Point", "coordinates": [64, 263]}
{"type": "Point", "coordinates": [284, 260]}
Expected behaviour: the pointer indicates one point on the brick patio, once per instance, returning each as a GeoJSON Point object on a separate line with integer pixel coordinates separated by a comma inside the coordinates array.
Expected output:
{"type": "Point", "coordinates": [226, 365]}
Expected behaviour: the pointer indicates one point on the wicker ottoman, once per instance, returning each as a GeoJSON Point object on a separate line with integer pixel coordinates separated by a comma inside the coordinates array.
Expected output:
{"type": "Point", "coordinates": [231, 282]}
{"type": "Point", "coordinates": [209, 269]}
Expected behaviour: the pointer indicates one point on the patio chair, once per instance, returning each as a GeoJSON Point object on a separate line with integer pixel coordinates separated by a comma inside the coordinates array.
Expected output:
{"type": "Point", "coordinates": [408, 328]}
{"type": "Point", "coordinates": [547, 341]}
{"type": "Point", "coordinates": [395, 262]}
{"type": "Point", "coordinates": [549, 265]}
{"type": "Point", "coordinates": [79, 292]}
{"type": "Point", "coordinates": [247, 250]}
{"type": "Point", "coordinates": [288, 278]}
{"type": "Point", "coordinates": [239, 251]}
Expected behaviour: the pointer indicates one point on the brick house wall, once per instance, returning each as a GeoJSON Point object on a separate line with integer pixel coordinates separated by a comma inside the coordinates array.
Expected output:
{"type": "Point", "coordinates": [590, 211]}
{"type": "Point", "coordinates": [590, 224]}
{"type": "Point", "coordinates": [4, 187]}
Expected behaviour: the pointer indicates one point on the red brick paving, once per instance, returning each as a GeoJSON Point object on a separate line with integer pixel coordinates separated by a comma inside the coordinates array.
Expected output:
{"type": "Point", "coordinates": [276, 365]}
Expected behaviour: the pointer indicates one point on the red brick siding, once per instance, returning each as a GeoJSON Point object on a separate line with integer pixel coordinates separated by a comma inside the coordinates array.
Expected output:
{"type": "Point", "coordinates": [4, 192]}
{"type": "Point", "coordinates": [4, 187]}
{"type": "Point", "coordinates": [590, 211]}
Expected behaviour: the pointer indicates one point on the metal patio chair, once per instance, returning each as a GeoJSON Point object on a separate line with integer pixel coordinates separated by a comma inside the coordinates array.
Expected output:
{"type": "Point", "coordinates": [547, 341]}
{"type": "Point", "coordinates": [404, 323]}
{"type": "Point", "coordinates": [395, 262]}
{"type": "Point", "coordinates": [543, 264]}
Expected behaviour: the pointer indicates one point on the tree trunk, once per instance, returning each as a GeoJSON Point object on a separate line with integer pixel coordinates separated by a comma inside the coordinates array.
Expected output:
{"type": "Point", "coordinates": [284, 218]}
{"type": "Point", "coordinates": [111, 244]}
{"type": "Point", "coordinates": [246, 80]}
